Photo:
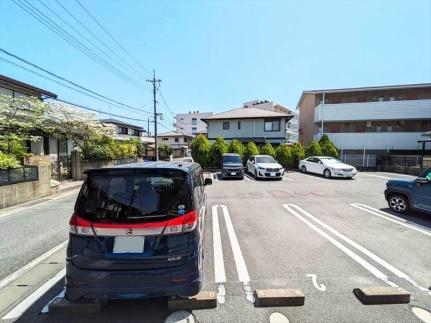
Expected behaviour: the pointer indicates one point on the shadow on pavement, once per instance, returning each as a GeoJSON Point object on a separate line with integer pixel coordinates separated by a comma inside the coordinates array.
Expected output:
{"type": "Point", "coordinates": [414, 217]}
{"type": "Point", "coordinates": [142, 311]}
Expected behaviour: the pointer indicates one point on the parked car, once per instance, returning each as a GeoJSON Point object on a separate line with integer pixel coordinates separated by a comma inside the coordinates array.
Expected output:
{"type": "Point", "coordinates": [327, 166]}
{"type": "Point", "coordinates": [404, 195]}
{"type": "Point", "coordinates": [137, 232]}
{"type": "Point", "coordinates": [264, 166]}
{"type": "Point", "coordinates": [232, 166]}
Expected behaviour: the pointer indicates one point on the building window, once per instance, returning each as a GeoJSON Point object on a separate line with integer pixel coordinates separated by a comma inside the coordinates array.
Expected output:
{"type": "Point", "coordinates": [185, 139]}
{"type": "Point", "coordinates": [272, 125]}
{"type": "Point", "coordinates": [194, 121]}
{"type": "Point", "coordinates": [136, 132]}
{"type": "Point", "coordinates": [165, 139]}
{"type": "Point", "coordinates": [392, 98]}
{"type": "Point", "coordinates": [226, 125]}
{"type": "Point", "coordinates": [122, 130]}
{"type": "Point", "coordinates": [381, 98]}
{"type": "Point", "coordinates": [176, 139]}
{"type": "Point", "coordinates": [239, 124]}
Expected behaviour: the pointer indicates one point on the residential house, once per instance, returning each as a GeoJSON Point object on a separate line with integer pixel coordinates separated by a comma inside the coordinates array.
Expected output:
{"type": "Point", "coordinates": [191, 123]}
{"type": "Point", "coordinates": [126, 131]}
{"type": "Point", "coordinates": [56, 150]}
{"type": "Point", "coordinates": [175, 139]}
{"type": "Point", "coordinates": [249, 124]}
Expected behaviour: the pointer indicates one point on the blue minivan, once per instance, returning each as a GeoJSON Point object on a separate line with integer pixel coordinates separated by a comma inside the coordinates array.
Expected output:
{"type": "Point", "coordinates": [137, 232]}
{"type": "Point", "coordinates": [406, 194]}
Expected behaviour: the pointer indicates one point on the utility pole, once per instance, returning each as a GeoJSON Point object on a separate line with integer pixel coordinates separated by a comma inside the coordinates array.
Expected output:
{"type": "Point", "coordinates": [155, 83]}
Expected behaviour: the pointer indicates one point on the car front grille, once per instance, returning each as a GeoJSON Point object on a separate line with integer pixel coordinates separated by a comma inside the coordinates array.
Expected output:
{"type": "Point", "coordinates": [233, 170]}
{"type": "Point", "coordinates": [273, 169]}
{"type": "Point", "coordinates": [347, 169]}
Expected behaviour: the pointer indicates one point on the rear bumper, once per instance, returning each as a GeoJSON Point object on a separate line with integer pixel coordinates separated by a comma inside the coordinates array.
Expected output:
{"type": "Point", "coordinates": [184, 280]}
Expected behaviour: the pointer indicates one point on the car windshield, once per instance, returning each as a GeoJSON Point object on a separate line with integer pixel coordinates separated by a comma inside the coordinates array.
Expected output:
{"type": "Point", "coordinates": [231, 159]}
{"type": "Point", "coordinates": [330, 160]}
{"type": "Point", "coordinates": [265, 159]}
{"type": "Point", "coordinates": [133, 197]}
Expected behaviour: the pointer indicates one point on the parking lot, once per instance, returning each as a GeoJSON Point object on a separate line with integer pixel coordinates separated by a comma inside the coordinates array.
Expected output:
{"type": "Point", "coordinates": [325, 237]}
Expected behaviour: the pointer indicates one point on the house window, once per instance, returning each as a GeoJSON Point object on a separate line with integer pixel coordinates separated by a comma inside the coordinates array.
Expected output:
{"type": "Point", "coordinates": [185, 139]}
{"type": "Point", "coordinates": [122, 130]}
{"type": "Point", "coordinates": [194, 121]}
{"type": "Point", "coordinates": [165, 139]}
{"type": "Point", "coordinates": [136, 132]}
{"type": "Point", "coordinates": [239, 124]}
{"type": "Point", "coordinates": [176, 139]}
{"type": "Point", "coordinates": [226, 125]}
{"type": "Point", "coordinates": [272, 125]}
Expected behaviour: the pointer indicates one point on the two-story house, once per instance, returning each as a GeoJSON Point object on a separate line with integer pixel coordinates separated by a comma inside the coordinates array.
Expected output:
{"type": "Point", "coordinates": [175, 139]}
{"type": "Point", "coordinates": [249, 125]}
{"type": "Point", "coordinates": [126, 131]}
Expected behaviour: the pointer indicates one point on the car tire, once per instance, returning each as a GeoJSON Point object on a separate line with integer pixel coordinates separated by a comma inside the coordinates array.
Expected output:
{"type": "Point", "coordinates": [241, 178]}
{"type": "Point", "coordinates": [304, 169]}
{"type": "Point", "coordinates": [399, 203]}
{"type": "Point", "coordinates": [327, 173]}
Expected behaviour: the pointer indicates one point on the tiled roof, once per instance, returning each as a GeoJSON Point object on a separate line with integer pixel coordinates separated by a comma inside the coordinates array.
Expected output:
{"type": "Point", "coordinates": [246, 113]}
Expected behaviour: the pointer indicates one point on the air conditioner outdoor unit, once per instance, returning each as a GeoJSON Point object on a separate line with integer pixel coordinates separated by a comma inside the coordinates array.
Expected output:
{"type": "Point", "coordinates": [369, 124]}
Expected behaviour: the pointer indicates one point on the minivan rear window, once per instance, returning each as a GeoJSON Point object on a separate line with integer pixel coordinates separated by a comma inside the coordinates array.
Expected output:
{"type": "Point", "coordinates": [130, 197]}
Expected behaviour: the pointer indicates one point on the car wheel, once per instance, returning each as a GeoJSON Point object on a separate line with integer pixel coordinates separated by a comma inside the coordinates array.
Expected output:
{"type": "Point", "coordinates": [327, 173]}
{"type": "Point", "coordinates": [399, 203]}
{"type": "Point", "coordinates": [241, 178]}
{"type": "Point", "coordinates": [303, 169]}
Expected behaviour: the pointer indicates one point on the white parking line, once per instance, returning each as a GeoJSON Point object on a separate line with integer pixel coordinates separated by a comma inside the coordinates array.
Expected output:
{"type": "Point", "coordinates": [389, 217]}
{"type": "Point", "coordinates": [5, 281]}
{"type": "Point", "coordinates": [219, 272]}
{"type": "Point", "coordinates": [287, 179]}
{"type": "Point", "coordinates": [347, 251]}
{"type": "Point", "coordinates": [248, 177]}
{"type": "Point", "coordinates": [315, 176]}
{"type": "Point", "coordinates": [365, 251]}
{"type": "Point", "coordinates": [378, 176]}
{"type": "Point", "coordinates": [241, 267]}
{"type": "Point", "coordinates": [19, 309]}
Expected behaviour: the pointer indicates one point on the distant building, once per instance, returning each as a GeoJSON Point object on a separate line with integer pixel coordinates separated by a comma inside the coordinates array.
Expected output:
{"type": "Point", "coordinates": [126, 131]}
{"type": "Point", "coordinates": [291, 126]}
{"type": "Point", "coordinates": [175, 139]}
{"type": "Point", "coordinates": [249, 124]}
{"type": "Point", "coordinates": [376, 119]}
{"type": "Point", "coordinates": [191, 123]}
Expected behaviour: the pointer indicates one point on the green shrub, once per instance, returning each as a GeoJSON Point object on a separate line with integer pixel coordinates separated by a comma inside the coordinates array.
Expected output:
{"type": "Point", "coordinates": [107, 149]}
{"type": "Point", "coordinates": [250, 149]}
{"type": "Point", "coordinates": [328, 147]}
{"type": "Point", "coordinates": [126, 150]}
{"type": "Point", "coordinates": [165, 151]}
{"type": "Point", "coordinates": [236, 146]}
{"type": "Point", "coordinates": [284, 156]}
{"type": "Point", "coordinates": [313, 149]}
{"type": "Point", "coordinates": [267, 149]}
{"type": "Point", "coordinates": [217, 150]}
{"type": "Point", "coordinates": [8, 161]}
{"type": "Point", "coordinates": [200, 147]}
{"type": "Point", "coordinates": [13, 144]}
{"type": "Point", "coordinates": [298, 153]}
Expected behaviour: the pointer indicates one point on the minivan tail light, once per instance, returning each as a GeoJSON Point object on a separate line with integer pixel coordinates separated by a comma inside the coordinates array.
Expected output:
{"type": "Point", "coordinates": [180, 224]}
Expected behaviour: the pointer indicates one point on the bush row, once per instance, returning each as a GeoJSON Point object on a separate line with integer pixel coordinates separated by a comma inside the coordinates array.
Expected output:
{"type": "Point", "coordinates": [108, 149]}
{"type": "Point", "coordinates": [209, 155]}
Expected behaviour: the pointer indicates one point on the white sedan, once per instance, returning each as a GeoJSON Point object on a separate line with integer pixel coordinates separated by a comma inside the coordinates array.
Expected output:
{"type": "Point", "coordinates": [327, 166]}
{"type": "Point", "coordinates": [264, 166]}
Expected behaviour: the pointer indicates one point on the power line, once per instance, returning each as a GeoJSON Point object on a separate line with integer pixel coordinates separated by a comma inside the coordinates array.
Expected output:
{"type": "Point", "coordinates": [123, 62]}
{"type": "Point", "coordinates": [112, 37]}
{"type": "Point", "coordinates": [45, 20]}
{"type": "Point", "coordinates": [68, 81]}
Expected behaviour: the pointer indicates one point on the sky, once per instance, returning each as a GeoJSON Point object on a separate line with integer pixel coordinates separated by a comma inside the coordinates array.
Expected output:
{"type": "Point", "coordinates": [213, 56]}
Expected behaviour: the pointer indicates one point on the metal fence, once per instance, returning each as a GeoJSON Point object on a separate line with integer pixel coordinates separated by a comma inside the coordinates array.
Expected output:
{"type": "Point", "coordinates": [18, 175]}
{"type": "Point", "coordinates": [406, 164]}
{"type": "Point", "coordinates": [360, 161]}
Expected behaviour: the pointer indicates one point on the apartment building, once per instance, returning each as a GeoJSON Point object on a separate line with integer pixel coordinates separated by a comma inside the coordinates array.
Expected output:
{"type": "Point", "coordinates": [191, 123]}
{"type": "Point", "coordinates": [249, 125]}
{"type": "Point", "coordinates": [374, 119]}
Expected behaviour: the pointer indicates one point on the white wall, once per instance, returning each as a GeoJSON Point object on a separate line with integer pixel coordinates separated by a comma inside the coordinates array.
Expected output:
{"type": "Point", "coordinates": [368, 111]}
{"type": "Point", "coordinates": [376, 140]}
{"type": "Point", "coordinates": [172, 143]}
{"type": "Point", "coordinates": [184, 122]}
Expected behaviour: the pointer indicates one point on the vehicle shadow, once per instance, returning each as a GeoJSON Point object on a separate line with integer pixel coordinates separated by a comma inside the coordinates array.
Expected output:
{"type": "Point", "coordinates": [413, 217]}
{"type": "Point", "coordinates": [324, 178]}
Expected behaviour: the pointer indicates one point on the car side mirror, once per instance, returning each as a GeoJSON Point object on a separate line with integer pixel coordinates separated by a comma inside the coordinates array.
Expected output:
{"type": "Point", "coordinates": [421, 180]}
{"type": "Point", "coordinates": [208, 181]}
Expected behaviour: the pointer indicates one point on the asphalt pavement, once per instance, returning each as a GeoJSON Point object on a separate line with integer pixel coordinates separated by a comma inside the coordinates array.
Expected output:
{"type": "Point", "coordinates": [322, 236]}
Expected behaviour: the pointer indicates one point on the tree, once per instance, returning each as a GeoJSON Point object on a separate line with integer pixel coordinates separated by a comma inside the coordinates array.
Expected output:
{"type": "Point", "coordinates": [250, 149]}
{"type": "Point", "coordinates": [298, 153]}
{"type": "Point", "coordinates": [313, 149]}
{"type": "Point", "coordinates": [267, 149]}
{"type": "Point", "coordinates": [8, 161]}
{"type": "Point", "coordinates": [200, 147]}
{"type": "Point", "coordinates": [284, 156]}
{"type": "Point", "coordinates": [217, 150]}
{"type": "Point", "coordinates": [236, 146]}
{"type": "Point", "coordinates": [328, 147]}
{"type": "Point", "coordinates": [165, 150]}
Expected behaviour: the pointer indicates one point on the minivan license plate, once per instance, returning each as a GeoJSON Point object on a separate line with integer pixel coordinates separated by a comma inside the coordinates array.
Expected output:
{"type": "Point", "coordinates": [233, 173]}
{"type": "Point", "coordinates": [129, 244]}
